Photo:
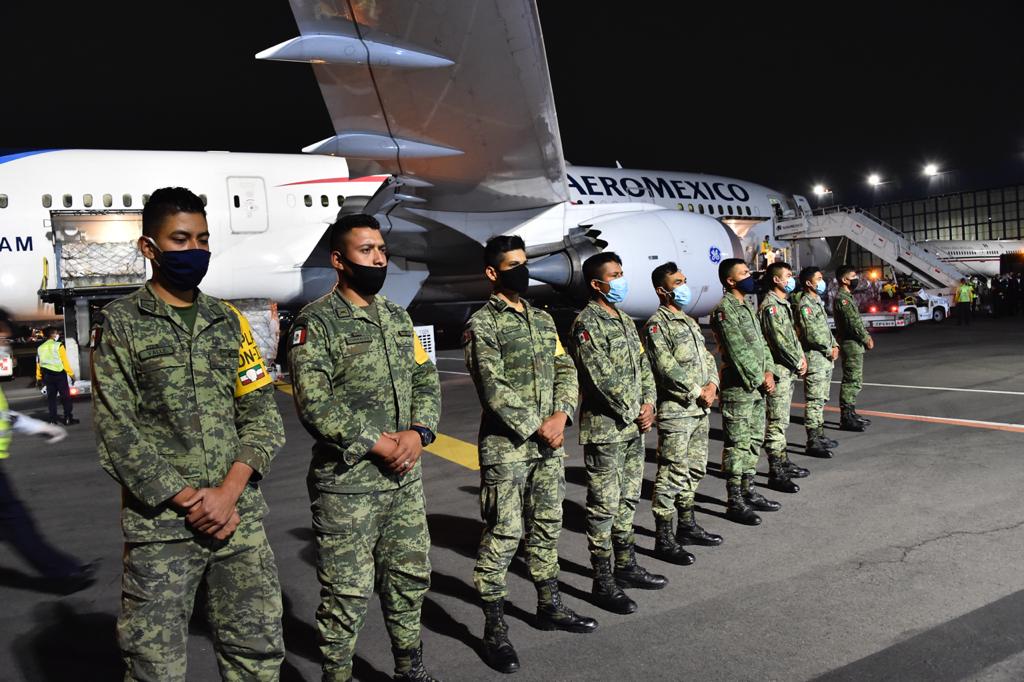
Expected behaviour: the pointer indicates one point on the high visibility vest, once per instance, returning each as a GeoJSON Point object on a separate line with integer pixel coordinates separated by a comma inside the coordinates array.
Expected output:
{"type": "Point", "coordinates": [5, 427]}
{"type": "Point", "coordinates": [963, 294]}
{"type": "Point", "coordinates": [49, 356]}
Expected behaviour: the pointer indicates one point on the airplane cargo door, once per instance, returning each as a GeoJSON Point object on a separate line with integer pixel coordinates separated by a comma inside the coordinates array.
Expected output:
{"type": "Point", "coordinates": [247, 204]}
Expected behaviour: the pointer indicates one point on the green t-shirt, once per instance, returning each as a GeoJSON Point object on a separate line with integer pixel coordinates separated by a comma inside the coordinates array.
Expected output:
{"type": "Point", "coordinates": [187, 315]}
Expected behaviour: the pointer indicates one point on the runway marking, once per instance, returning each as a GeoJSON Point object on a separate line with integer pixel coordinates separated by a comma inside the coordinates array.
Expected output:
{"type": "Point", "coordinates": [445, 371]}
{"type": "Point", "coordinates": [454, 450]}
{"type": "Point", "coordinates": [970, 423]}
{"type": "Point", "coordinates": [942, 388]}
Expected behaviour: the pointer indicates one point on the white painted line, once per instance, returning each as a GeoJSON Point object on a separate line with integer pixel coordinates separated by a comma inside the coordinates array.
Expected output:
{"type": "Point", "coordinates": [941, 388]}
{"type": "Point", "coordinates": [442, 371]}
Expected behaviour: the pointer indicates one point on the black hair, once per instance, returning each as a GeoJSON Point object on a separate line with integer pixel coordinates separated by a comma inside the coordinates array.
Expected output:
{"type": "Point", "coordinates": [165, 202]}
{"type": "Point", "coordinates": [844, 270]}
{"type": "Point", "coordinates": [725, 268]}
{"type": "Point", "coordinates": [773, 271]}
{"type": "Point", "coordinates": [659, 273]}
{"type": "Point", "coordinates": [499, 245]}
{"type": "Point", "coordinates": [346, 224]}
{"type": "Point", "coordinates": [808, 273]}
{"type": "Point", "coordinates": [48, 331]}
{"type": "Point", "coordinates": [592, 266]}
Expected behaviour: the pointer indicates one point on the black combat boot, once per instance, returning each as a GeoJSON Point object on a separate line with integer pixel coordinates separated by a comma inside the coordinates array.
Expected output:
{"type": "Point", "coordinates": [847, 422]}
{"type": "Point", "coordinates": [498, 651]}
{"type": "Point", "coordinates": [756, 499]}
{"type": "Point", "coordinates": [737, 508]}
{"type": "Point", "coordinates": [689, 533]}
{"type": "Point", "coordinates": [792, 469]}
{"type": "Point", "coordinates": [816, 447]}
{"type": "Point", "coordinates": [778, 477]}
{"type": "Point", "coordinates": [863, 420]}
{"type": "Point", "coordinates": [628, 573]}
{"type": "Point", "coordinates": [606, 593]}
{"type": "Point", "coordinates": [552, 614]}
{"type": "Point", "coordinates": [665, 546]}
{"type": "Point", "coordinates": [409, 665]}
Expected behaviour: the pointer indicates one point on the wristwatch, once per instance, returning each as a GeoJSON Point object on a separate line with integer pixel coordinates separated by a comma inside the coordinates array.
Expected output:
{"type": "Point", "coordinates": [426, 435]}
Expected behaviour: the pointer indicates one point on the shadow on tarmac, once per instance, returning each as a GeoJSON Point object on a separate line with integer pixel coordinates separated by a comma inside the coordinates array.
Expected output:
{"type": "Point", "coordinates": [65, 641]}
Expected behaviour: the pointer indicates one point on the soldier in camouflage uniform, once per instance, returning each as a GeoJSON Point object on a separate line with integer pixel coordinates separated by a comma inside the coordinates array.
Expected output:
{"type": "Point", "coordinates": [528, 390]}
{"type": "Point", "coordinates": [186, 422]}
{"type": "Point", "coordinates": [821, 350]}
{"type": "Point", "coordinates": [687, 380]}
{"type": "Point", "coordinates": [367, 391]}
{"type": "Point", "coordinates": [618, 409]}
{"type": "Point", "coordinates": [776, 317]}
{"type": "Point", "coordinates": [745, 381]}
{"type": "Point", "coordinates": [853, 341]}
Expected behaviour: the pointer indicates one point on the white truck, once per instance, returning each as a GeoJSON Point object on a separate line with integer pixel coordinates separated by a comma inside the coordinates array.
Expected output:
{"type": "Point", "coordinates": [924, 306]}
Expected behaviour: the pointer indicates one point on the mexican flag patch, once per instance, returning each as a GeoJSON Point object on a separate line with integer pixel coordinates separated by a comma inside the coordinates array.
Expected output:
{"type": "Point", "coordinates": [653, 329]}
{"type": "Point", "coordinates": [299, 336]}
{"type": "Point", "coordinates": [806, 311]}
{"type": "Point", "coordinates": [583, 336]}
{"type": "Point", "coordinates": [772, 310]}
{"type": "Point", "coordinates": [253, 374]}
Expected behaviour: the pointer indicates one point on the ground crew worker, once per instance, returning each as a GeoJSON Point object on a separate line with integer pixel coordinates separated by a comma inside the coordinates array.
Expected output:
{"type": "Point", "coordinates": [963, 297]}
{"type": "Point", "coordinates": [367, 391]}
{"type": "Point", "coordinates": [853, 340]}
{"type": "Point", "coordinates": [528, 390]}
{"type": "Point", "coordinates": [53, 369]}
{"type": "Point", "coordinates": [186, 422]}
{"type": "Point", "coordinates": [61, 572]}
{"type": "Point", "coordinates": [776, 317]}
{"type": "Point", "coordinates": [617, 410]}
{"type": "Point", "coordinates": [687, 381]}
{"type": "Point", "coordinates": [821, 350]}
{"type": "Point", "coordinates": [746, 379]}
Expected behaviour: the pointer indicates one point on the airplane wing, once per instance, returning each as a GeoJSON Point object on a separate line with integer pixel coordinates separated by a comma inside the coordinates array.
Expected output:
{"type": "Point", "coordinates": [454, 96]}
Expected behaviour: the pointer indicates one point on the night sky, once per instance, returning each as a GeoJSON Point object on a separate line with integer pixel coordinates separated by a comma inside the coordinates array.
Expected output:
{"type": "Point", "coordinates": [783, 97]}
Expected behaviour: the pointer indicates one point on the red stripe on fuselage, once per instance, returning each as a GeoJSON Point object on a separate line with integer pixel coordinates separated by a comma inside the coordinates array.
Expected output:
{"type": "Point", "coordinates": [367, 178]}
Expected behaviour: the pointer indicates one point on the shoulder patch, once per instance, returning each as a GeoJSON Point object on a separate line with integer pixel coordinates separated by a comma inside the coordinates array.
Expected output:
{"type": "Point", "coordinates": [467, 336]}
{"type": "Point", "coordinates": [653, 329]}
{"type": "Point", "coordinates": [720, 315]}
{"type": "Point", "coordinates": [772, 310]}
{"type": "Point", "coordinates": [94, 336]}
{"type": "Point", "coordinates": [806, 310]}
{"type": "Point", "coordinates": [583, 335]}
{"type": "Point", "coordinates": [843, 301]}
{"type": "Point", "coordinates": [298, 336]}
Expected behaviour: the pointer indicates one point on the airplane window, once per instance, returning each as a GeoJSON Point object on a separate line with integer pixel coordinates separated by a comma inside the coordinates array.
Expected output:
{"type": "Point", "coordinates": [689, 207]}
{"type": "Point", "coordinates": [108, 201]}
{"type": "Point", "coordinates": [748, 210]}
{"type": "Point", "coordinates": [126, 200]}
{"type": "Point", "coordinates": [145, 199]}
{"type": "Point", "coordinates": [341, 201]}
{"type": "Point", "coordinates": [728, 209]}
{"type": "Point", "coordinates": [308, 200]}
{"type": "Point", "coordinates": [66, 200]}
{"type": "Point", "coordinates": [720, 211]}
{"type": "Point", "coordinates": [47, 201]}
{"type": "Point", "coordinates": [701, 208]}
{"type": "Point", "coordinates": [87, 200]}
{"type": "Point", "coordinates": [324, 201]}
{"type": "Point", "coordinates": [238, 202]}
{"type": "Point", "coordinates": [202, 197]}
{"type": "Point", "coordinates": [3, 201]}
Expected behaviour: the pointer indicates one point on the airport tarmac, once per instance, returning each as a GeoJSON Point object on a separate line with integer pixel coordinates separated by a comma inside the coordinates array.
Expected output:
{"type": "Point", "coordinates": [899, 559]}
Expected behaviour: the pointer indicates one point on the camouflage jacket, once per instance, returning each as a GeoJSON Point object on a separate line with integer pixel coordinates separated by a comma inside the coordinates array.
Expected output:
{"type": "Point", "coordinates": [776, 315]}
{"type": "Point", "coordinates": [354, 377]}
{"type": "Point", "coordinates": [849, 324]}
{"type": "Point", "coordinates": [681, 363]}
{"type": "Point", "coordinates": [614, 372]}
{"type": "Point", "coordinates": [522, 377]}
{"type": "Point", "coordinates": [176, 408]}
{"type": "Point", "coordinates": [812, 324]}
{"type": "Point", "coordinates": [745, 355]}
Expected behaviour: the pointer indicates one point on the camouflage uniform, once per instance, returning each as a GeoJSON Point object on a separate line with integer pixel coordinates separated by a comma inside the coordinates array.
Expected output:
{"type": "Point", "coordinates": [745, 360]}
{"type": "Point", "coordinates": [173, 408]}
{"type": "Point", "coordinates": [522, 376]}
{"type": "Point", "coordinates": [616, 381]}
{"type": "Point", "coordinates": [776, 316]}
{"type": "Point", "coordinates": [817, 341]}
{"type": "Point", "coordinates": [682, 366]}
{"type": "Point", "coordinates": [853, 338]}
{"type": "Point", "coordinates": [356, 373]}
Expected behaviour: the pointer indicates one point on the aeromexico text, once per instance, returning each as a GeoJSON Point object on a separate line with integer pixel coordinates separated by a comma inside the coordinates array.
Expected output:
{"type": "Point", "coordinates": [601, 185]}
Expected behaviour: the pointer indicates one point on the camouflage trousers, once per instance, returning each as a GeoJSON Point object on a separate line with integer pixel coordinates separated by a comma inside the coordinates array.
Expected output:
{"type": "Point", "coordinates": [365, 540]}
{"type": "Point", "coordinates": [243, 605]}
{"type": "Point", "coordinates": [777, 407]}
{"type": "Point", "coordinates": [743, 431]}
{"type": "Point", "coordinates": [682, 463]}
{"type": "Point", "coordinates": [519, 499]}
{"type": "Point", "coordinates": [817, 386]}
{"type": "Point", "coordinates": [852, 354]}
{"type": "Point", "coordinates": [615, 473]}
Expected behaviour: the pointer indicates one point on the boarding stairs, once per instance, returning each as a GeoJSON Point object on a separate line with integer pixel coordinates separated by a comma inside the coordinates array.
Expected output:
{"type": "Point", "coordinates": [876, 236]}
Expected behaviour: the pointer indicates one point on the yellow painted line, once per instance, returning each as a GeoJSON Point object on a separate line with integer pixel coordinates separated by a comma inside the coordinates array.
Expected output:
{"type": "Point", "coordinates": [455, 450]}
{"type": "Point", "coordinates": [970, 423]}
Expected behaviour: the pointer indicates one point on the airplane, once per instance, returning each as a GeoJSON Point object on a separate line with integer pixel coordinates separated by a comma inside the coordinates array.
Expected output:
{"type": "Point", "coordinates": [981, 258]}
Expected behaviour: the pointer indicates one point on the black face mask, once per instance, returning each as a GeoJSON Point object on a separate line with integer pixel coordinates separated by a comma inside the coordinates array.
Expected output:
{"type": "Point", "coordinates": [854, 283]}
{"type": "Point", "coordinates": [515, 279]}
{"type": "Point", "coordinates": [366, 279]}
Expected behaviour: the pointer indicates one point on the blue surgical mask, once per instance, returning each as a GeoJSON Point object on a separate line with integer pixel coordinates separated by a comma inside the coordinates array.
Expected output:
{"type": "Point", "coordinates": [820, 287]}
{"type": "Point", "coordinates": [182, 270]}
{"type": "Point", "coordinates": [681, 295]}
{"type": "Point", "coordinates": [790, 285]}
{"type": "Point", "coordinates": [747, 286]}
{"type": "Point", "coordinates": [619, 289]}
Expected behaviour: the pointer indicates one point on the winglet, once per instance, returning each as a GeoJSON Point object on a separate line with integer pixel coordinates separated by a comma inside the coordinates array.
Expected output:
{"type": "Point", "coordinates": [322, 48]}
{"type": "Point", "coordinates": [377, 146]}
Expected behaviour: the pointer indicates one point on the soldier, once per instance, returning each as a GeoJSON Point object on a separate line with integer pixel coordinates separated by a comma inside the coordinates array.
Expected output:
{"type": "Point", "coordinates": [687, 381]}
{"type": "Point", "coordinates": [528, 389]}
{"type": "Point", "coordinates": [853, 340]}
{"type": "Point", "coordinates": [746, 379]}
{"type": "Point", "coordinates": [367, 392]}
{"type": "Point", "coordinates": [186, 422]}
{"type": "Point", "coordinates": [776, 317]}
{"type": "Point", "coordinates": [821, 350]}
{"type": "Point", "coordinates": [618, 409]}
